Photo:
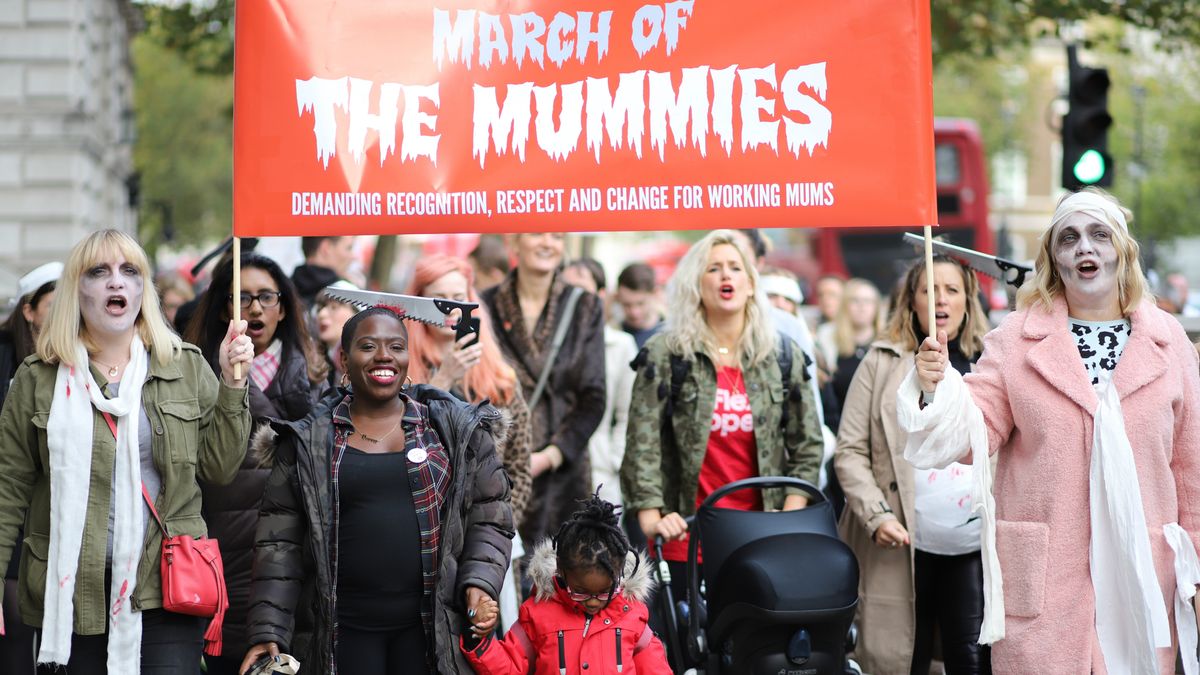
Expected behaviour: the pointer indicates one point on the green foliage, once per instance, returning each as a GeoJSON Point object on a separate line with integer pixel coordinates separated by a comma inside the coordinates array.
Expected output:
{"type": "Point", "coordinates": [184, 150]}
{"type": "Point", "coordinates": [1166, 202]}
{"type": "Point", "coordinates": [989, 27]}
{"type": "Point", "coordinates": [200, 32]}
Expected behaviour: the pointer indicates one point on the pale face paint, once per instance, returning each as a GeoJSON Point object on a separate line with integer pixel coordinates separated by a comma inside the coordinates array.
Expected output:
{"type": "Point", "coordinates": [110, 297]}
{"type": "Point", "coordinates": [1086, 259]}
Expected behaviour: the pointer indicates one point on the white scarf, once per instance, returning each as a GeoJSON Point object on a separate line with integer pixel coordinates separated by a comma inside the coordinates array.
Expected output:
{"type": "Point", "coordinates": [69, 437]}
{"type": "Point", "coordinates": [1131, 618]}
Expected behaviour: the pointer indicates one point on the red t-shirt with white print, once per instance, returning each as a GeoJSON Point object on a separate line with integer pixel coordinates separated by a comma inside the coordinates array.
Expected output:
{"type": "Point", "coordinates": [731, 453]}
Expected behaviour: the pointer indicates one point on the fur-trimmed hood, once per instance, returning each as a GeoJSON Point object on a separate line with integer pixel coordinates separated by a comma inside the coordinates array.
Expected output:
{"type": "Point", "coordinates": [263, 439]}
{"type": "Point", "coordinates": [638, 583]}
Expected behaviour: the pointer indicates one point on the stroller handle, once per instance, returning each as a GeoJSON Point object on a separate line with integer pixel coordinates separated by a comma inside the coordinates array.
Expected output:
{"type": "Point", "coordinates": [763, 482]}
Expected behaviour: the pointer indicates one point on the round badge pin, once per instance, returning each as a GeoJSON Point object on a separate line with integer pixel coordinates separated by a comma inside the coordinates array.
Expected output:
{"type": "Point", "coordinates": [417, 455]}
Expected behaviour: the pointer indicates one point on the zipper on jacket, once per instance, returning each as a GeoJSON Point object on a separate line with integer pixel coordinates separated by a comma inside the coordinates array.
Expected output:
{"type": "Point", "coordinates": [587, 623]}
{"type": "Point", "coordinates": [619, 668]}
{"type": "Point", "coordinates": [562, 655]}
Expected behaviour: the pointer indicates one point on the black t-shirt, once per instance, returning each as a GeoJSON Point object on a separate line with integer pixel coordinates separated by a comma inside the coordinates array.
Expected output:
{"type": "Point", "coordinates": [379, 543]}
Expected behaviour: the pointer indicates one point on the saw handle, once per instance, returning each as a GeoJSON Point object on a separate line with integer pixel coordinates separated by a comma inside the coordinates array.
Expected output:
{"type": "Point", "coordinates": [468, 324]}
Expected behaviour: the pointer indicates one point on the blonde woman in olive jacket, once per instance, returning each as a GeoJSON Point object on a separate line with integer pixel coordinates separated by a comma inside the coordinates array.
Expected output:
{"type": "Point", "coordinates": [77, 486]}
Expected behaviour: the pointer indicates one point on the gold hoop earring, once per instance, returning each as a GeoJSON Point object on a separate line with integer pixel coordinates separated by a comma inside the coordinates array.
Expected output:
{"type": "Point", "coordinates": [345, 380]}
{"type": "Point", "coordinates": [407, 382]}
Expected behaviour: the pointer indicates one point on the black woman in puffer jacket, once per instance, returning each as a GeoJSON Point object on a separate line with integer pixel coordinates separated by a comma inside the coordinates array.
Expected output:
{"type": "Point", "coordinates": [386, 517]}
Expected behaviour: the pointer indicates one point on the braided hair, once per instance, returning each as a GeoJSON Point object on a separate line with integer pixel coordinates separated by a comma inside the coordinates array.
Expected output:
{"type": "Point", "coordinates": [593, 539]}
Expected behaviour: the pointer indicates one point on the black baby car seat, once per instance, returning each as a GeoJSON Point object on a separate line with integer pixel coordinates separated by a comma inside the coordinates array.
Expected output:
{"type": "Point", "coordinates": [781, 587]}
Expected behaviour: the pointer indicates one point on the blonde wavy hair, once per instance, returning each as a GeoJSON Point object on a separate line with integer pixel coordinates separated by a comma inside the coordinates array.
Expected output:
{"type": "Point", "coordinates": [65, 330]}
{"type": "Point", "coordinates": [843, 329]}
{"type": "Point", "coordinates": [1046, 284]}
{"type": "Point", "coordinates": [903, 326]}
{"type": "Point", "coordinates": [687, 331]}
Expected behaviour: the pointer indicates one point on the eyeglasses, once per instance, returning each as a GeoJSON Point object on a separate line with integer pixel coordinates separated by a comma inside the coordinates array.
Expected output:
{"type": "Point", "coordinates": [265, 299]}
{"type": "Point", "coordinates": [584, 597]}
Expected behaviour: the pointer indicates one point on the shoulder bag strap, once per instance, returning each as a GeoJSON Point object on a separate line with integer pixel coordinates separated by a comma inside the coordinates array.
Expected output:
{"type": "Point", "coordinates": [560, 334]}
{"type": "Point", "coordinates": [112, 426]}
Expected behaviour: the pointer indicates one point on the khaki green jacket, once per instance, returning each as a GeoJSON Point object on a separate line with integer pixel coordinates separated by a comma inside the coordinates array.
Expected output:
{"type": "Point", "coordinates": [199, 430]}
{"type": "Point", "coordinates": [666, 478]}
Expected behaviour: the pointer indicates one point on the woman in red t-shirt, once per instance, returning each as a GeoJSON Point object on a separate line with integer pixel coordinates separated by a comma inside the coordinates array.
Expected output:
{"type": "Point", "coordinates": [726, 418]}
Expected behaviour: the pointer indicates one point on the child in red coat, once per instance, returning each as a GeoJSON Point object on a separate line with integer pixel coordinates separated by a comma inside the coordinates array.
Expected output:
{"type": "Point", "coordinates": [588, 613]}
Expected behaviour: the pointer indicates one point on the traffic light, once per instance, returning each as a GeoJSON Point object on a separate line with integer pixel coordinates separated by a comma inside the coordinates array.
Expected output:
{"type": "Point", "coordinates": [1085, 159]}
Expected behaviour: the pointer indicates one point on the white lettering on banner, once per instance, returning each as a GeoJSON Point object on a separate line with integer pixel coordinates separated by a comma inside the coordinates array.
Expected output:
{"type": "Point", "coordinates": [642, 198]}
{"type": "Point", "coordinates": [622, 114]}
{"type": "Point", "coordinates": [438, 203]}
{"type": "Point", "coordinates": [618, 108]}
{"type": "Point", "coordinates": [455, 39]}
{"type": "Point", "coordinates": [666, 20]}
{"type": "Point", "coordinates": [757, 195]}
{"type": "Point", "coordinates": [810, 194]}
{"type": "Point", "coordinates": [353, 95]}
{"type": "Point", "coordinates": [557, 200]}
{"type": "Point", "coordinates": [336, 204]}
{"type": "Point", "coordinates": [529, 201]}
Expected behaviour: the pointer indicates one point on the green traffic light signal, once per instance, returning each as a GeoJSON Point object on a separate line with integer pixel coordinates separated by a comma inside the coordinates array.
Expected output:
{"type": "Point", "coordinates": [1091, 168]}
{"type": "Point", "coordinates": [1085, 158]}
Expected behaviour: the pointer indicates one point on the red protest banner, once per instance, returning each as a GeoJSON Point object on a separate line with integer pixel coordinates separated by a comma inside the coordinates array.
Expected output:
{"type": "Point", "coordinates": [367, 117]}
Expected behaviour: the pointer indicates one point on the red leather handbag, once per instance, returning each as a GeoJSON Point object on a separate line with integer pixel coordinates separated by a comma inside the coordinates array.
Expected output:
{"type": "Point", "coordinates": [193, 576]}
{"type": "Point", "coordinates": [193, 579]}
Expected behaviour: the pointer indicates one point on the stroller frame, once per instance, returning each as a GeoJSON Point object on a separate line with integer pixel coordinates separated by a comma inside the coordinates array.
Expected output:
{"type": "Point", "coordinates": [790, 635]}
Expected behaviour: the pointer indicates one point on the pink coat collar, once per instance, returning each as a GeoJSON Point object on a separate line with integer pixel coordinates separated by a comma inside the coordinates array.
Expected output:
{"type": "Point", "coordinates": [1143, 361]}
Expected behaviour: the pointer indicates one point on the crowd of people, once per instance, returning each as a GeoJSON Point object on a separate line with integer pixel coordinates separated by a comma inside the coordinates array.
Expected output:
{"type": "Point", "coordinates": [390, 498]}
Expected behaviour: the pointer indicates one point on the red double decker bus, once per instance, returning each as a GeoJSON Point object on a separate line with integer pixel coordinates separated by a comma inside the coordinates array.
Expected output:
{"type": "Point", "coordinates": [880, 256]}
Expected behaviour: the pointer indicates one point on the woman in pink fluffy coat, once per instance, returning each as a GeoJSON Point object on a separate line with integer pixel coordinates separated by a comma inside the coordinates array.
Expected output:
{"type": "Point", "coordinates": [1090, 395]}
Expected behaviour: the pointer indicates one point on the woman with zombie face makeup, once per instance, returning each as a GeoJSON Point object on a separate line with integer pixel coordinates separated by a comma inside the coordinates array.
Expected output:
{"type": "Point", "coordinates": [728, 420]}
{"type": "Point", "coordinates": [386, 516]}
{"type": "Point", "coordinates": [913, 531]}
{"type": "Point", "coordinates": [106, 359]}
{"type": "Point", "coordinates": [1090, 398]}
{"type": "Point", "coordinates": [286, 377]}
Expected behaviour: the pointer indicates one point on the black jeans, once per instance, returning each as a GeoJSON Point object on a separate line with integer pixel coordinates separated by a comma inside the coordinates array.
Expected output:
{"type": "Point", "coordinates": [16, 645]}
{"type": "Point", "coordinates": [171, 645]}
{"type": "Point", "coordinates": [949, 597]}
{"type": "Point", "coordinates": [392, 652]}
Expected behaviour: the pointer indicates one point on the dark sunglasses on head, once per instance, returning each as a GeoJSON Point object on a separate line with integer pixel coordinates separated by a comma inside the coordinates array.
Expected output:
{"type": "Point", "coordinates": [265, 299]}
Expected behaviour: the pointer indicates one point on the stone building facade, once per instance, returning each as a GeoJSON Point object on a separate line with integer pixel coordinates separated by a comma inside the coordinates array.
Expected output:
{"type": "Point", "coordinates": [66, 127]}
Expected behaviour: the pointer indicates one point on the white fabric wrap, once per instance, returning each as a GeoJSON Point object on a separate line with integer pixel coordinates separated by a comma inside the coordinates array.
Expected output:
{"type": "Point", "coordinates": [1131, 618]}
{"type": "Point", "coordinates": [1104, 210]}
{"type": "Point", "coordinates": [69, 439]}
{"type": "Point", "coordinates": [940, 435]}
{"type": "Point", "coordinates": [1187, 575]}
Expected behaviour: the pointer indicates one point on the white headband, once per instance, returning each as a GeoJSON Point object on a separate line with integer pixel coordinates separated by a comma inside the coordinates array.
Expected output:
{"type": "Point", "coordinates": [782, 286]}
{"type": "Point", "coordinates": [1092, 204]}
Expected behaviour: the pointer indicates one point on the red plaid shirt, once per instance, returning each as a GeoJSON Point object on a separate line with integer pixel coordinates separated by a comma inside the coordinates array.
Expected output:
{"type": "Point", "coordinates": [429, 481]}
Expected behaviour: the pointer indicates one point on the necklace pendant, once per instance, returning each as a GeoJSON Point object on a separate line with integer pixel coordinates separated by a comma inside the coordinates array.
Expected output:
{"type": "Point", "coordinates": [722, 350]}
{"type": "Point", "coordinates": [112, 372]}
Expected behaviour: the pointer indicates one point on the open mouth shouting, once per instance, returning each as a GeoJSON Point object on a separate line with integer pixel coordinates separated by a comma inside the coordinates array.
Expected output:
{"type": "Point", "coordinates": [255, 328]}
{"type": "Point", "coordinates": [726, 291]}
{"type": "Point", "coordinates": [1087, 269]}
{"type": "Point", "coordinates": [116, 305]}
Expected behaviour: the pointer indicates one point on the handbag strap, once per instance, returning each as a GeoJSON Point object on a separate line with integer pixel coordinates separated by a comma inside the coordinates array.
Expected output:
{"type": "Point", "coordinates": [560, 334]}
{"type": "Point", "coordinates": [112, 426]}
